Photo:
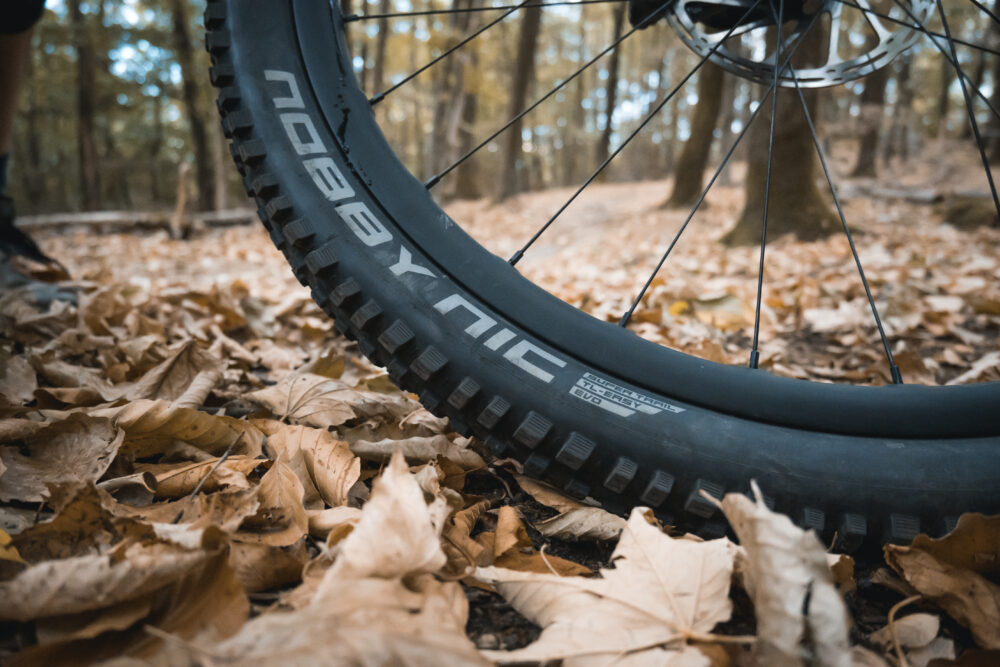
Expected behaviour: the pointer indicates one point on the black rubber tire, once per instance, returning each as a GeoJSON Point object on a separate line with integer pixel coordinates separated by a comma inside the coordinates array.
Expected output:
{"type": "Point", "coordinates": [511, 365]}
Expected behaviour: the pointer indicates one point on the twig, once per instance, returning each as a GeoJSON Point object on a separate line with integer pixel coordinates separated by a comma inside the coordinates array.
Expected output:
{"type": "Point", "coordinates": [892, 628]}
{"type": "Point", "coordinates": [201, 482]}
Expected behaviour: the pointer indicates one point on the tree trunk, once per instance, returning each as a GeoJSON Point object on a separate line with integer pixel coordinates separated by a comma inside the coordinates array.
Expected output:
{"type": "Point", "coordinates": [690, 168]}
{"type": "Point", "coordinates": [942, 101]}
{"type": "Point", "coordinates": [796, 204]}
{"type": "Point", "coordinates": [378, 67]}
{"type": "Point", "coordinates": [90, 170]}
{"type": "Point", "coordinates": [35, 182]}
{"type": "Point", "coordinates": [611, 90]}
{"type": "Point", "coordinates": [191, 78]}
{"type": "Point", "coordinates": [898, 141]}
{"type": "Point", "coordinates": [524, 72]}
{"type": "Point", "coordinates": [872, 102]}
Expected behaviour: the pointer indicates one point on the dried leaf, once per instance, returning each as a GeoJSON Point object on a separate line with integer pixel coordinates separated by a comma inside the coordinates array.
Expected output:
{"type": "Point", "coordinates": [397, 534]}
{"type": "Point", "coordinates": [966, 596]}
{"type": "Point", "coordinates": [661, 592]}
{"type": "Point", "coordinates": [151, 427]}
{"type": "Point", "coordinates": [176, 480]}
{"type": "Point", "coordinates": [17, 381]}
{"type": "Point", "coordinates": [784, 569]}
{"type": "Point", "coordinates": [77, 449]}
{"type": "Point", "coordinates": [325, 465]}
{"type": "Point", "coordinates": [280, 519]}
{"type": "Point", "coordinates": [974, 544]}
{"type": "Point", "coordinates": [419, 450]}
{"type": "Point", "coordinates": [186, 376]}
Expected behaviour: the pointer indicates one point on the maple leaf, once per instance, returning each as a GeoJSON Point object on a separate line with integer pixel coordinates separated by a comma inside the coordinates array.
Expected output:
{"type": "Point", "coordinates": [661, 593]}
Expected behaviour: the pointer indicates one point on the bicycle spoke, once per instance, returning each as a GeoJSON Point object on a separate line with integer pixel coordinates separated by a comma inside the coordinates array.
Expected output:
{"type": "Point", "coordinates": [986, 9]}
{"type": "Point", "coordinates": [885, 17]}
{"type": "Point", "coordinates": [718, 172]}
{"type": "Point", "coordinates": [431, 182]}
{"type": "Point", "coordinates": [897, 377]}
{"type": "Point", "coordinates": [755, 351]}
{"type": "Point", "coordinates": [933, 36]}
{"type": "Point", "coordinates": [516, 257]}
{"type": "Point", "coordinates": [381, 96]}
{"type": "Point", "coordinates": [970, 109]}
{"type": "Point", "coordinates": [465, 10]}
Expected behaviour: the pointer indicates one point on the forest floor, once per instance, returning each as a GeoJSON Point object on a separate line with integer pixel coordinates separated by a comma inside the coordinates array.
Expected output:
{"type": "Point", "coordinates": [195, 468]}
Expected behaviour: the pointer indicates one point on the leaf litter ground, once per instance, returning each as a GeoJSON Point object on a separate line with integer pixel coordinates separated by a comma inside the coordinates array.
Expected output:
{"type": "Point", "coordinates": [194, 468]}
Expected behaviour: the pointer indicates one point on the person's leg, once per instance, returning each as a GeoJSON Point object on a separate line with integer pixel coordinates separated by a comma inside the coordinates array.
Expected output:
{"type": "Point", "coordinates": [16, 21]}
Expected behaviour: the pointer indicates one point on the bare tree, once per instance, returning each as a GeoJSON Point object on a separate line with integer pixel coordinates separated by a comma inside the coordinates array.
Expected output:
{"type": "Point", "coordinates": [689, 173]}
{"type": "Point", "coordinates": [524, 73]}
{"type": "Point", "coordinates": [86, 141]}
{"type": "Point", "coordinates": [796, 204]}
{"type": "Point", "coordinates": [611, 90]}
{"type": "Point", "coordinates": [190, 76]}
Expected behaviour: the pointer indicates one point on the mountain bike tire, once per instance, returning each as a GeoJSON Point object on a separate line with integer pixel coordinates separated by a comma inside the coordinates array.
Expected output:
{"type": "Point", "coordinates": [584, 404]}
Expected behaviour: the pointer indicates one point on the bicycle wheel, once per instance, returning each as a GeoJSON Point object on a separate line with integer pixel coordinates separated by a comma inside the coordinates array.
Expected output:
{"type": "Point", "coordinates": [585, 404]}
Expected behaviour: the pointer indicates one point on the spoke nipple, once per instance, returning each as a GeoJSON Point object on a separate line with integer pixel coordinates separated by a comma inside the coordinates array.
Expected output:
{"type": "Point", "coordinates": [432, 181]}
{"type": "Point", "coordinates": [375, 100]}
{"type": "Point", "coordinates": [516, 257]}
{"type": "Point", "coordinates": [351, 18]}
{"type": "Point", "coordinates": [897, 377]}
{"type": "Point", "coordinates": [623, 322]}
{"type": "Point", "coordinates": [754, 358]}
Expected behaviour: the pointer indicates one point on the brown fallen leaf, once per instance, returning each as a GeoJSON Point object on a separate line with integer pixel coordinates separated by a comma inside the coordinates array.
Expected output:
{"type": "Point", "coordinates": [176, 480]}
{"type": "Point", "coordinates": [325, 465]}
{"type": "Point", "coordinates": [512, 549]}
{"type": "Point", "coordinates": [974, 544]}
{"type": "Point", "coordinates": [361, 612]}
{"type": "Point", "coordinates": [661, 593]}
{"type": "Point", "coordinates": [917, 636]}
{"type": "Point", "coordinates": [151, 427]}
{"type": "Point", "coordinates": [261, 567]}
{"type": "Point", "coordinates": [280, 519]}
{"type": "Point", "coordinates": [966, 596]}
{"type": "Point", "coordinates": [185, 377]}
{"type": "Point", "coordinates": [77, 449]}
{"type": "Point", "coordinates": [575, 520]}
{"type": "Point", "coordinates": [419, 449]}
{"type": "Point", "coordinates": [398, 533]}
{"type": "Point", "coordinates": [102, 604]}
{"type": "Point", "coordinates": [17, 381]}
{"type": "Point", "coordinates": [322, 402]}
{"type": "Point", "coordinates": [786, 573]}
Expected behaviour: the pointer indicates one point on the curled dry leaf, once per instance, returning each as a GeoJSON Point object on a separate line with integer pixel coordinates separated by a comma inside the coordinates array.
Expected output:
{"type": "Point", "coordinates": [360, 622]}
{"type": "Point", "coordinates": [917, 636]}
{"type": "Point", "coordinates": [966, 596]}
{"type": "Point", "coordinates": [175, 480]}
{"type": "Point", "coordinates": [512, 549]}
{"type": "Point", "coordinates": [361, 612]}
{"type": "Point", "coordinates": [325, 465]}
{"type": "Point", "coordinates": [186, 377]}
{"type": "Point", "coordinates": [785, 568]}
{"type": "Point", "coordinates": [661, 593]}
{"type": "Point", "coordinates": [184, 592]}
{"type": "Point", "coordinates": [319, 401]}
{"type": "Point", "coordinates": [576, 520]}
{"type": "Point", "coordinates": [151, 427]}
{"type": "Point", "coordinates": [17, 381]}
{"type": "Point", "coordinates": [420, 449]}
{"type": "Point", "coordinates": [280, 519]}
{"type": "Point", "coordinates": [77, 449]}
{"type": "Point", "coordinates": [974, 544]}
{"type": "Point", "coordinates": [396, 535]}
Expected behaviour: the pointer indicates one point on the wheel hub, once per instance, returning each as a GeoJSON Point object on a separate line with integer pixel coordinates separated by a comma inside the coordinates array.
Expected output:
{"type": "Point", "coordinates": [746, 52]}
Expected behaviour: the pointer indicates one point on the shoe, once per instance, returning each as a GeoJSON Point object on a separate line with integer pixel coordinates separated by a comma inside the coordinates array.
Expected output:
{"type": "Point", "coordinates": [15, 242]}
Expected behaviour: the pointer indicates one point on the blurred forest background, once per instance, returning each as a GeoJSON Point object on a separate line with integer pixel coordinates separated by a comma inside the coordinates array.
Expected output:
{"type": "Point", "coordinates": [118, 105]}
